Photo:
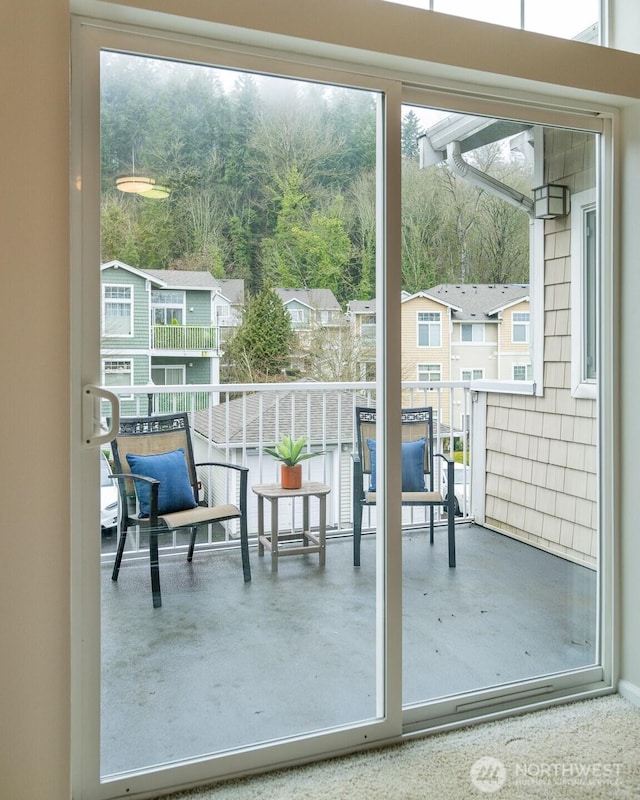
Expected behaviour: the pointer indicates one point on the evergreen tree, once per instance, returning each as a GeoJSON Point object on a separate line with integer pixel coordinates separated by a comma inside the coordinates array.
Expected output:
{"type": "Point", "coordinates": [261, 348]}
{"type": "Point", "coordinates": [411, 130]}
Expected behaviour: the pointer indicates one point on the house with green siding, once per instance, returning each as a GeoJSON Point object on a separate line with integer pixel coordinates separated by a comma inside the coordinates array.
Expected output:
{"type": "Point", "coordinates": [163, 328]}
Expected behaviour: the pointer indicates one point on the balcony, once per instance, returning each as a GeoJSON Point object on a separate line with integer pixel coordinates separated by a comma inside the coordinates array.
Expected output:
{"type": "Point", "coordinates": [294, 651]}
{"type": "Point", "coordinates": [186, 339]}
{"type": "Point", "coordinates": [235, 422]}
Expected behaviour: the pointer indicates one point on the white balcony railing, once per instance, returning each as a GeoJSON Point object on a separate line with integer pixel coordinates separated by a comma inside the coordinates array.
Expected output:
{"type": "Point", "coordinates": [235, 422]}
{"type": "Point", "coordinates": [183, 337]}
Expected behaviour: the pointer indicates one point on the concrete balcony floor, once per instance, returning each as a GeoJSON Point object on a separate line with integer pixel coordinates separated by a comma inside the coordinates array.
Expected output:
{"type": "Point", "coordinates": [224, 664]}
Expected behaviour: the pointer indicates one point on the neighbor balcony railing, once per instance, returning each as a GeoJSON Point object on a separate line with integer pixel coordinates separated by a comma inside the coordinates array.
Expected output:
{"type": "Point", "coordinates": [235, 422]}
{"type": "Point", "coordinates": [183, 337]}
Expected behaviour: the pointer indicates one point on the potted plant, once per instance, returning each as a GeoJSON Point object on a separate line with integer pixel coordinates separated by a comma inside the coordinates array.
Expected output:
{"type": "Point", "coordinates": [290, 453]}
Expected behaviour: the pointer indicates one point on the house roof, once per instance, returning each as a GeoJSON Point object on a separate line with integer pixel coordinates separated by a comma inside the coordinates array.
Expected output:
{"type": "Point", "coordinates": [230, 288]}
{"type": "Point", "coordinates": [362, 306]}
{"type": "Point", "coordinates": [479, 302]}
{"type": "Point", "coordinates": [183, 278]}
{"type": "Point", "coordinates": [317, 299]}
{"type": "Point", "coordinates": [446, 301]}
{"type": "Point", "coordinates": [470, 302]}
{"type": "Point", "coordinates": [115, 264]}
{"type": "Point", "coordinates": [265, 416]}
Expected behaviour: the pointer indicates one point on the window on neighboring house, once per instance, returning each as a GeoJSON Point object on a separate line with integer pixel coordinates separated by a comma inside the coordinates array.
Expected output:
{"type": "Point", "coordinates": [471, 374]}
{"type": "Point", "coordinates": [167, 307]}
{"type": "Point", "coordinates": [118, 372]}
{"type": "Point", "coordinates": [168, 376]}
{"type": "Point", "coordinates": [429, 372]}
{"type": "Point", "coordinates": [429, 329]}
{"type": "Point", "coordinates": [222, 315]}
{"type": "Point", "coordinates": [520, 327]}
{"type": "Point", "coordinates": [297, 316]}
{"type": "Point", "coordinates": [584, 294]}
{"type": "Point", "coordinates": [368, 327]}
{"type": "Point", "coordinates": [117, 311]}
{"type": "Point", "coordinates": [522, 372]}
{"type": "Point", "coordinates": [471, 332]}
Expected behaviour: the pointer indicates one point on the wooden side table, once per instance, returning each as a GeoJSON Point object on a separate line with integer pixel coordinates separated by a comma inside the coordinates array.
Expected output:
{"type": "Point", "coordinates": [311, 543]}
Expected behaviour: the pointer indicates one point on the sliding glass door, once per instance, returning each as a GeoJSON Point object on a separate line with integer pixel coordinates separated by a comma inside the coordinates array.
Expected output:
{"type": "Point", "coordinates": [267, 247]}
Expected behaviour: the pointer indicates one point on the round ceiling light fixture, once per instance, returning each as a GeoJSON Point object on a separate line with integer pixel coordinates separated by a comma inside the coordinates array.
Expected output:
{"type": "Point", "coordinates": [134, 184]}
{"type": "Point", "coordinates": [156, 192]}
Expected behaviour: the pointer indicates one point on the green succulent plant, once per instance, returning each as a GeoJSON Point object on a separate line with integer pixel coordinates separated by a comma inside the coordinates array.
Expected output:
{"type": "Point", "coordinates": [289, 451]}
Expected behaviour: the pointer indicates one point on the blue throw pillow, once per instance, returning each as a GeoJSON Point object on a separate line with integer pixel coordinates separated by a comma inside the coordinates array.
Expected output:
{"type": "Point", "coordinates": [175, 492]}
{"type": "Point", "coordinates": [412, 465]}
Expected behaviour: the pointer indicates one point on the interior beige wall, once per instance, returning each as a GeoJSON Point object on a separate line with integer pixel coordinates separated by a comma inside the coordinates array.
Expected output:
{"type": "Point", "coordinates": [34, 503]}
{"type": "Point", "coordinates": [34, 403]}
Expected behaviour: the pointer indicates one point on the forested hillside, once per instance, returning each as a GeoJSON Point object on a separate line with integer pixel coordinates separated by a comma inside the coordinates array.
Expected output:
{"type": "Point", "coordinates": [273, 181]}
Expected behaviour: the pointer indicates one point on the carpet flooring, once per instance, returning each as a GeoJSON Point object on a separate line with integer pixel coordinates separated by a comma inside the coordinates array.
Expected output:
{"type": "Point", "coordinates": [578, 751]}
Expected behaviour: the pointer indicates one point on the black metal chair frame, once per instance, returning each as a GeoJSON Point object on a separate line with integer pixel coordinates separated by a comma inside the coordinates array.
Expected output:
{"type": "Point", "coordinates": [159, 434]}
{"type": "Point", "coordinates": [416, 423]}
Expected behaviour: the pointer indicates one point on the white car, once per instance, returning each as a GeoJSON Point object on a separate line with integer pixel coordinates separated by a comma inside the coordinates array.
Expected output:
{"type": "Point", "coordinates": [109, 499]}
{"type": "Point", "coordinates": [462, 488]}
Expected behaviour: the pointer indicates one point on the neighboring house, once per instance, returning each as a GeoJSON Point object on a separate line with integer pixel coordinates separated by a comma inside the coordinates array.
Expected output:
{"type": "Point", "coordinates": [162, 327]}
{"type": "Point", "coordinates": [455, 332]}
{"type": "Point", "coordinates": [362, 317]}
{"type": "Point", "coordinates": [490, 326]}
{"type": "Point", "coordinates": [315, 313]}
{"type": "Point", "coordinates": [310, 307]}
{"type": "Point", "coordinates": [227, 307]}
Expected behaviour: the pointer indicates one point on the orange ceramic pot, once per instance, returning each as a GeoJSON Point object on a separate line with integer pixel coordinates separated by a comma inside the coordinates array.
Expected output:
{"type": "Point", "coordinates": [291, 477]}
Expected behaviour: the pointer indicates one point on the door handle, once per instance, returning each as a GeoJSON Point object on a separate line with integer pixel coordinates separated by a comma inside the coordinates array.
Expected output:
{"type": "Point", "coordinates": [91, 429]}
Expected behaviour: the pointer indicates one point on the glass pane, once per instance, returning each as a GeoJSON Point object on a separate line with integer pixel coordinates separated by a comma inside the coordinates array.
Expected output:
{"type": "Point", "coordinates": [567, 19]}
{"type": "Point", "coordinates": [268, 183]}
{"type": "Point", "coordinates": [520, 600]}
{"type": "Point", "coordinates": [498, 12]}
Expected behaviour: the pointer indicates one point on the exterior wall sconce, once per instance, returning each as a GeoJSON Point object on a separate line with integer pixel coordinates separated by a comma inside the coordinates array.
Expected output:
{"type": "Point", "coordinates": [550, 201]}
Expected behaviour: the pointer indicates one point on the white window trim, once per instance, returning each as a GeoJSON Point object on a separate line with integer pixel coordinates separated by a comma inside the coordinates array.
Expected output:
{"type": "Point", "coordinates": [429, 380]}
{"type": "Point", "coordinates": [473, 341]}
{"type": "Point", "coordinates": [165, 367]}
{"type": "Point", "coordinates": [420, 322]}
{"type": "Point", "coordinates": [580, 388]}
{"type": "Point", "coordinates": [526, 325]}
{"type": "Point", "coordinates": [521, 366]}
{"type": "Point", "coordinates": [127, 360]}
{"type": "Point", "coordinates": [471, 370]}
{"type": "Point", "coordinates": [130, 301]}
{"type": "Point", "coordinates": [169, 304]}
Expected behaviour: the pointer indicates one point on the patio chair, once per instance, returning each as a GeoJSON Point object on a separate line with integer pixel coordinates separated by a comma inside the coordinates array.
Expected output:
{"type": "Point", "coordinates": [154, 456]}
{"type": "Point", "coordinates": [418, 478]}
